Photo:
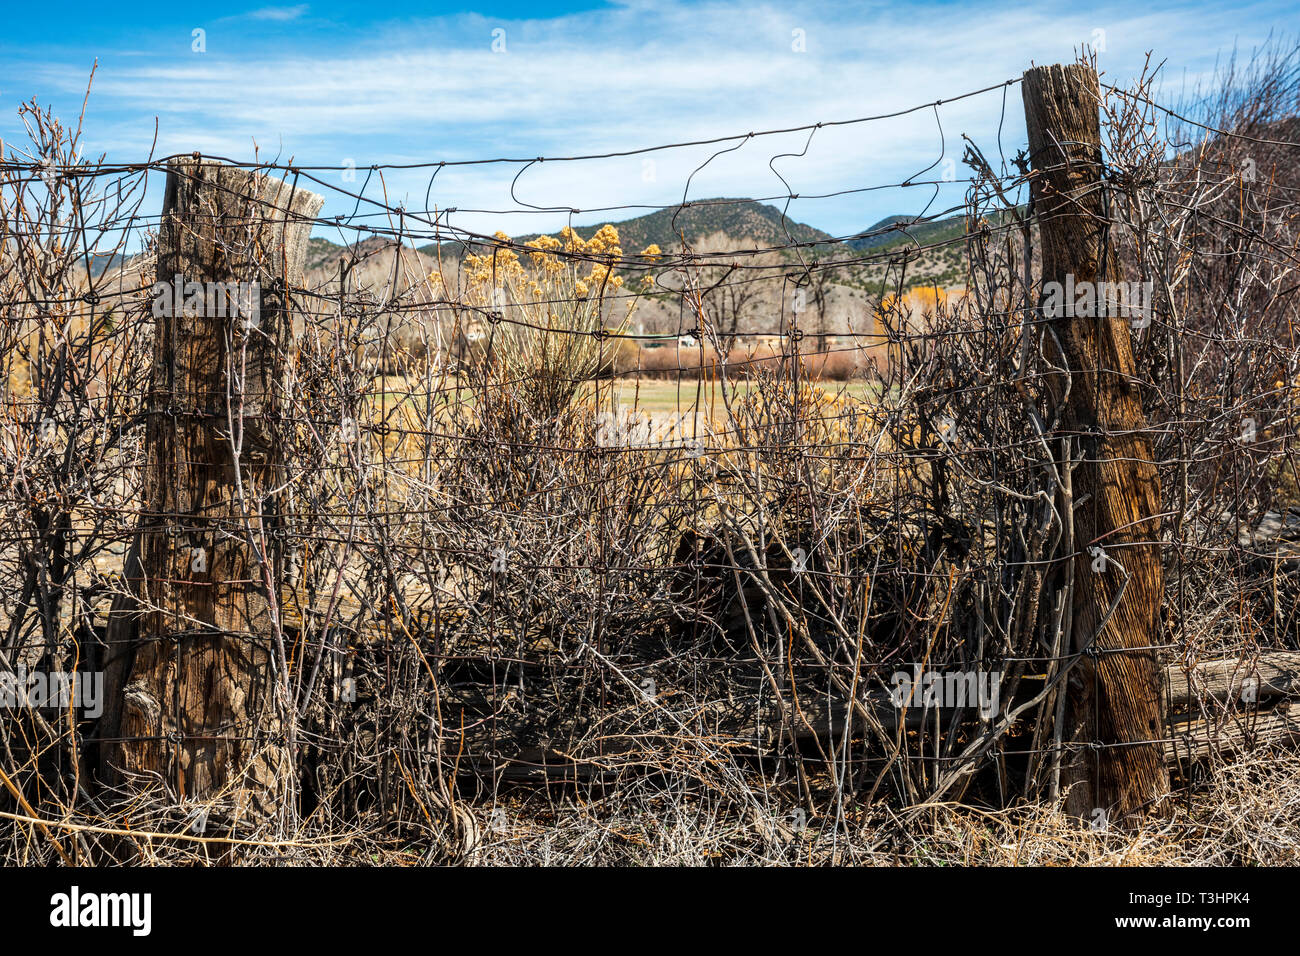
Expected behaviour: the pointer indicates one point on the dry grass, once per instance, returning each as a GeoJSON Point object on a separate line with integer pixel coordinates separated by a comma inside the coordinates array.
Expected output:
{"type": "Point", "coordinates": [1248, 814]}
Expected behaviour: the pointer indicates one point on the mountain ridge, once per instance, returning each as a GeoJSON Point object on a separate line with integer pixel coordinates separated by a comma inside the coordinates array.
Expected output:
{"type": "Point", "coordinates": [736, 223]}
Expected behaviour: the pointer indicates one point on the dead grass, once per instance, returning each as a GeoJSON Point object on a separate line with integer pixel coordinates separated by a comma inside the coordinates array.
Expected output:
{"type": "Point", "coordinates": [1247, 815]}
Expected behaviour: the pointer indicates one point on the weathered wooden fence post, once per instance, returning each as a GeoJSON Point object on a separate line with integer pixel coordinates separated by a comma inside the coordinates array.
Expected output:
{"type": "Point", "coordinates": [1115, 694]}
{"type": "Point", "coordinates": [195, 678]}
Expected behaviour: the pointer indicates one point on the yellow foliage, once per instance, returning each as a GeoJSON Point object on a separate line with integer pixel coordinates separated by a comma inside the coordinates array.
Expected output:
{"type": "Point", "coordinates": [552, 300]}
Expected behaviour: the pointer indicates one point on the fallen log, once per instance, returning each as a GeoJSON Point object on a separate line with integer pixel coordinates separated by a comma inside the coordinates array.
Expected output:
{"type": "Point", "coordinates": [1201, 738]}
{"type": "Point", "coordinates": [1273, 674]}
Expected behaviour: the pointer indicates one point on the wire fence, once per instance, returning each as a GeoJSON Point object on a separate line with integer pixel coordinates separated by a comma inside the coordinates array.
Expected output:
{"type": "Point", "coordinates": [403, 525]}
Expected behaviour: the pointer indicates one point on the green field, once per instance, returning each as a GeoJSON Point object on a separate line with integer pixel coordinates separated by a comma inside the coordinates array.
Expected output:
{"type": "Point", "coordinates": [668, 395]}
{"type": "Point", "coordinates": [651, 395]}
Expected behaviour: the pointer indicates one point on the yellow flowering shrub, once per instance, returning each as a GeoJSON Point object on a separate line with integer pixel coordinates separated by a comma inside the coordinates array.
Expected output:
{"type": "Point", "coordinates": [553, 303]}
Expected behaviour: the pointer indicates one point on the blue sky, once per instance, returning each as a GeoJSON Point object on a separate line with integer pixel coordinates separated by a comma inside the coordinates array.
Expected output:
{"type": "Point", "coordinates": [333, 83]}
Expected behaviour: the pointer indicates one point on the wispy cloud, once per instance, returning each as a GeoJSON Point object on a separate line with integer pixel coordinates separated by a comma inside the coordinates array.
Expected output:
{"type": "Point", "coordinates": [279, 13]}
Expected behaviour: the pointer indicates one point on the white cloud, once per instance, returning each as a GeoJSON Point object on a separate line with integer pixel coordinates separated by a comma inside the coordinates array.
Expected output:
{"type": "Point", "coordinates": [279, 13]}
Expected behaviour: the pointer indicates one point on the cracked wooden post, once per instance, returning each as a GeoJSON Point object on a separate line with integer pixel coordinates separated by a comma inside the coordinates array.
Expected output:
{"type": "Point", "coordinates": [1115, 696]}
{"type": "Point", "coordinates": [195, 676]}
